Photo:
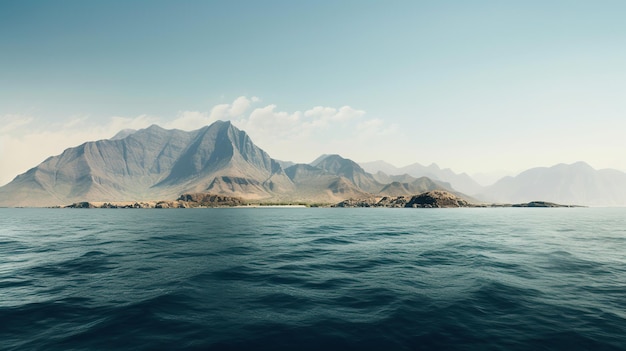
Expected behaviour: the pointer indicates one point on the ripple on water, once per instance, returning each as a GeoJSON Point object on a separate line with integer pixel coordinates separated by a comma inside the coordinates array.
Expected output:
{"type": "Point", "coordinates": [311, 279]}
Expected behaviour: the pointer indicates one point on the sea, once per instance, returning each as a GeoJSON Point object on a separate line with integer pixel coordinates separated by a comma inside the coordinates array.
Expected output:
{"type": "Point", "coordinates": [313, 279]}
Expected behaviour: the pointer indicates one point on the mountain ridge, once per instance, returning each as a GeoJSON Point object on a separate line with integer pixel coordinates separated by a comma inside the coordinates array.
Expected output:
{"type": "Point", "coordinates": [156, 164]}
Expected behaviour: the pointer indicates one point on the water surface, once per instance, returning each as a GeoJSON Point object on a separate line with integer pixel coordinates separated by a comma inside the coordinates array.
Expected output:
{"type": "Point", "coordinates": [277, 278]}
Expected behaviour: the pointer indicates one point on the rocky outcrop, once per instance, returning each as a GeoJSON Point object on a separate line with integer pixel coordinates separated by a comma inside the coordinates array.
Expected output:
{"type": "Point", "coordinates": [394, 201]}
{"type": "Point", "coordinates": [541, 204]}
{"type": "Point", "coordinates": [85, 204]}
{"type": "Point", "coordinates": [82, 204]}
{"type": "Point", "coordinates": [192, 200]}
{"type": "Point", "coordinates": [368, 202]}
{"type": "Point", "coordinates": [430, 199]}
{"type": "Point", "coordinates": [210, 200]}
{"type": "Point", "coordinates": [437, 199]}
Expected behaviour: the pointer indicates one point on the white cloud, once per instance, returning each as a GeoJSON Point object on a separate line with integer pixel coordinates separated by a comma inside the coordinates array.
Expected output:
{"type": "Point", "coordinates": [219, 112]}
{"type": "Point", "coordinates": [345, 113]}
{"type": "Point", "coordinates": [301, 136]}
{"type": "Point", "coordinates": [266, 119]}
{"type": "Point", "coordinates": [377, 128]}
{"type": "Point", "coordinates": [239, 106]}
{"type": "Point", "coordinates": [10, 123]}
{"type": "Point", "coordinates": [189, 120]}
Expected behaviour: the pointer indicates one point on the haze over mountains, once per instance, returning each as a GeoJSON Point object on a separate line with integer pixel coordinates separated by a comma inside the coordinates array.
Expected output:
{"type": "Point", "coordinates": [154, 163]}
{"type": "Point", "coordinates": [577, 183]}
{"type": "Point", "coordinates": [462, 182]}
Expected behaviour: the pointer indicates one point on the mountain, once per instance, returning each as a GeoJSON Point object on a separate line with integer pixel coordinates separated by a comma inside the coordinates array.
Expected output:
{"type": "Point", "coordinates": [422, 183]}
{"type": "Point", "coordinates": [461, 182]}
{"type": "Point", "coordinates": [380, 183]}
{"type": "Point", "coordinates": [152, 163]}
{"type": "Point", "coordinates": [416, 186]}
{"type": "Point", "coordinates": [337, 165]}
{"type": "Point", "coordinates": [317, 184]}
{"type": "Point", "coordinates": [573, 184]}
{"type": "Point", "coordinates": [380, 166]}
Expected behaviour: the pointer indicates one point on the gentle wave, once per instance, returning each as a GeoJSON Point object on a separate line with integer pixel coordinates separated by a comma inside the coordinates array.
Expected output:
{"type": "Point", "coordinates": [310, 279]}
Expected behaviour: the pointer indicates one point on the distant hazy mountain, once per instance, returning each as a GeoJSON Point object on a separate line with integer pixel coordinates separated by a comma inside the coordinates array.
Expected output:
{"type": "Point", "coordinates": [380, 166]}
{"type": "Point", "coordinates": [408, 185]}
{"type": "Point", "coordinates": [575, 184]}
{"type": "Point", "coordinates": [379, 183]}
{"type": "Point", "coordinates": [417, 186]}
{"type": "Point", "coordinates": [461, 182]}
{"type": "Point", "coordinates": [151, 163]}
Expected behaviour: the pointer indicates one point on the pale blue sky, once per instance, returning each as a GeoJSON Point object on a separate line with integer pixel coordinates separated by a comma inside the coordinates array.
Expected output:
{"type": "Point", "coordinates": [478, 86]}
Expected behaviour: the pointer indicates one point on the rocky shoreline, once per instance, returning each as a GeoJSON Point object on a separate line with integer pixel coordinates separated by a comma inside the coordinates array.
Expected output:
{"type": "Point", "coordinates": [433, 199]}
{"type": "Point", "coordinates": [430, 199]}
{"type": "Point", "coordinates": [190, 200]}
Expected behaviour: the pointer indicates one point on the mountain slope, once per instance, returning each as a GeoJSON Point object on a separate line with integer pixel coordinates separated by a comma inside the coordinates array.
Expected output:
{"type": "Point", "coordinates": [573, 184]}
{"type": "Point", "coordinates": [416, 186]}
{"type": "Point", "coordinates": [316, 184]}
{"type": "Point", "coordinates": [151, 163]}
{"type": "Point", "coordinates": [337, 165]}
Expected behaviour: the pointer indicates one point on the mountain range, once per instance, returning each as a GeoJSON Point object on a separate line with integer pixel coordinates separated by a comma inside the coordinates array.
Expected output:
{"type": "Point", "coordinates": [574, 184]}
{"type": "Point", "coordinates": [461, 182]}
{"type": "Point", "coordinates": [155, 163]}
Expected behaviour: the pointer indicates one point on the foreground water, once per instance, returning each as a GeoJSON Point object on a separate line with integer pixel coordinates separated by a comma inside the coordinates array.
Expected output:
{"type": "Point", "coordinates": [379, 279]}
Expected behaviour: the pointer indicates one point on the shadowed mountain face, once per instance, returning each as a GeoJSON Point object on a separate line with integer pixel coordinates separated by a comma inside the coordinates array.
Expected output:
{"type": "Point", "coordinates": [151, 163]}
{"type": "Point", "coordinates": [575, 184]}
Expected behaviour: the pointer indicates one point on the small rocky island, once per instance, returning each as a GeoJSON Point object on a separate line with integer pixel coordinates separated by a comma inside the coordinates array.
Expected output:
{"type": "Point", "coordinates": [432, 199]}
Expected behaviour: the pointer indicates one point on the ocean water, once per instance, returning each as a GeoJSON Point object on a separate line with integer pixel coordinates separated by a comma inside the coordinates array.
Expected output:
{"type": "Point", "coordinates": [313, 279]}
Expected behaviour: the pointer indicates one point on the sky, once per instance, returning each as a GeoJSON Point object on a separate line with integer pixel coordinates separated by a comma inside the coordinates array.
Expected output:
{"type": "Point", "coordinates": [483, 87]}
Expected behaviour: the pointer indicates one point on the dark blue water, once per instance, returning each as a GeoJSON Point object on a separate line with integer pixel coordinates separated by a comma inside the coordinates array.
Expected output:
{"type": "Point", "coordinates": [311, 279]}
